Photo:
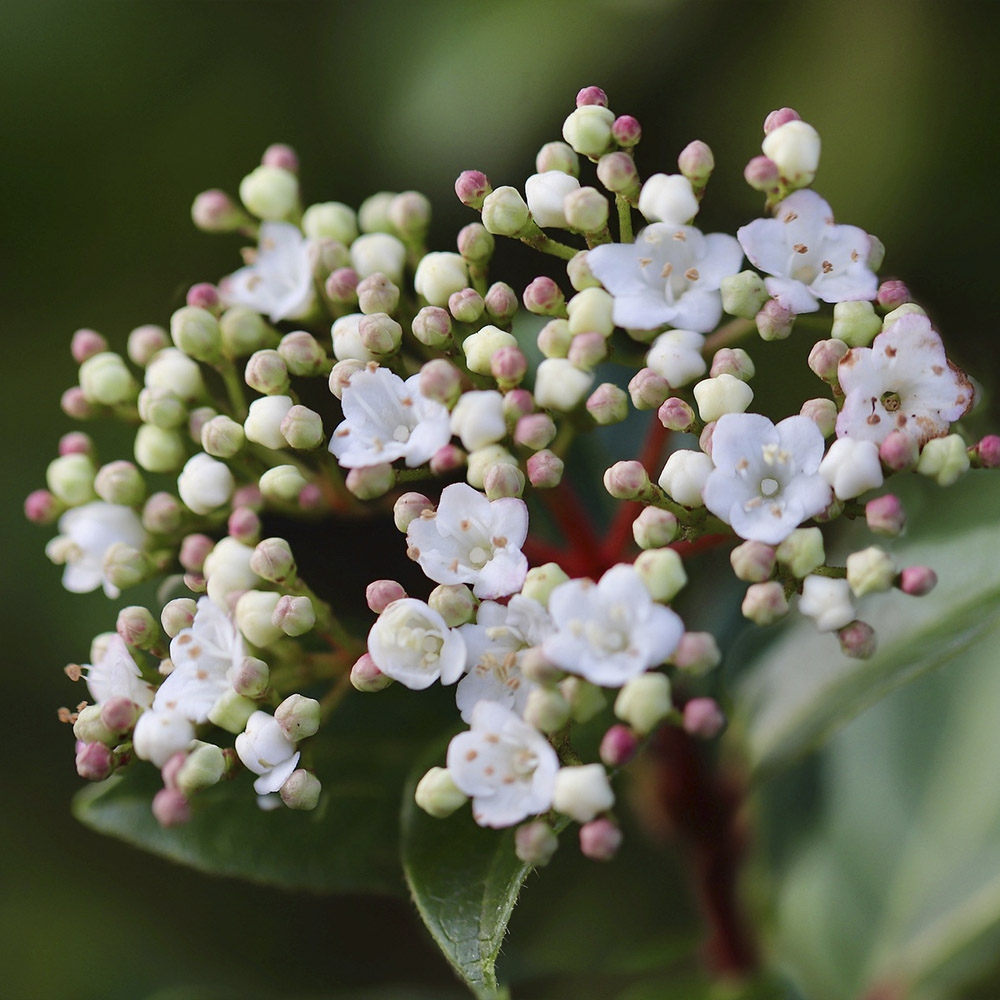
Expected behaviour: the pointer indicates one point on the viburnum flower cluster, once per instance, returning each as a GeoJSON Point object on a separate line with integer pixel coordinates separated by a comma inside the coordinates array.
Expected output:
{"type": "Point", "coordinates": [434, 374]}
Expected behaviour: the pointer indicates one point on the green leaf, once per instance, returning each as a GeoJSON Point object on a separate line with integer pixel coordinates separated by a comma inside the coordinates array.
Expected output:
{"type": "Point", "coordinates": [904, 843]}
{"type": "Point", "coordinates": [464, 881]}
{"type": "Point", "coordinates": [350, 843]}
{"type": "Point", "coordinates": [800, 688]}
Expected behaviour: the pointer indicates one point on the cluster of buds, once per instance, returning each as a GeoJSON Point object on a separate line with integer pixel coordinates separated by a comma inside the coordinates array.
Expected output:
{"type": "Point", "coordinates": [432, 379]}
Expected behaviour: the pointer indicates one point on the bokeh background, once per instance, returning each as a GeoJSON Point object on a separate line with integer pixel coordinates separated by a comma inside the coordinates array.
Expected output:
{"type": "Point", "coordinates": [115, 114]}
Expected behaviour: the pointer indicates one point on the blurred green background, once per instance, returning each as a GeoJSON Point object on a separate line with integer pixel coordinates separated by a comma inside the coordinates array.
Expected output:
{"type": "Point", "coordinates": [115, 114]}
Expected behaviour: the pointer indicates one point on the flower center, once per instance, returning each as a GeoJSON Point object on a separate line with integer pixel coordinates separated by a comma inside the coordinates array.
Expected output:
{"type": "Point", "coordinates": [890, 401]}
{"type": "Point", "coordinates": [768, 487]}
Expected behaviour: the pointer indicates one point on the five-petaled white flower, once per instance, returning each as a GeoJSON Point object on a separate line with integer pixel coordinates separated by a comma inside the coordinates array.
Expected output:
{"type": "Point", "coordinates": [411, 643]}
{"type": "Point", "coordinates": [670, 275]}
{"type": "Point", "coordinates": [470, 539]}
{"type": "Point", "coordinates": [115, 674]}
{"type": "Point", "coordinates": [279, 283]}
{"type": "Point", "coordinates": [386, 419]}
{"type": "Point", "coordinates": [504, 765]}
{"type": "Point", "coordinates": [902, 382]}
{"type": "Point", "coordinates": [610, 631]}
{"type": "Point", "coordinates": [267, 751]}
{"type": "Point", "coordinates": [766, 480]}
{"type": "Point", "coordinates": [495, 644]}
{"type": "Point", "coordinates": [808, 256]}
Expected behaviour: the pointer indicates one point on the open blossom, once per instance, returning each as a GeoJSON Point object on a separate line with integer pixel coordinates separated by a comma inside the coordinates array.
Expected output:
{"type": "Point", "coordinates": [669, 276]}
{"type": "Point", "coordinates": [495, 644]}
{"type": "Point", "coordinates": [470, 539]}
{"type": "Point", "coordinates": [411, 643]}
{"type": "Point", "coordinates": [766, 480]}
{"type": "Point", "coordinates": [86, 534]}
{"type": "Point", "coordinates": [279, 283]}
{"type": "Point", "coordinates": [115, 674]}
{"type": "Point", "coordinates": [902, 382]}
{"type": "Point", "coordinates": [610, 631]}
{"type": "Point", "coordinates": [267, 751]}
{"type": "Point", "coordinates": [808, 256]}
{"type": "Point", "coordinates": [386, 419]}
{"type": "Point", "coordinates": [504, 765]}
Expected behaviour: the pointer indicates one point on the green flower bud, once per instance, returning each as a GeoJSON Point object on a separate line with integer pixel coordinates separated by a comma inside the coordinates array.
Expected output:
{"type": "Point", "coordinates": [301, 790]}
{"type": "Point", "coordinates": [163, 408]}
{"type": "Point", "coordinates": [203, 767]}
{"type": "Point", "coordinates": [662, 571]}
{"type": "Point", "coordinates": [232, 711]}
{"type": "Point", "coordinates": [196, 332]}
{"type": "Point", "coordinates": [254, 611]}
{"type": "Point", "coordinates": [121, 483]}
{"type": "Point", "coordinates": [454, 603]}
{"type": "Point", "coordinates": [546, 709]}
{"type": "Point", "coordinates": [332, 220]}
{"type": "Point", "coordinates": [159, 450]}
{"type": "Point", "coordinates": [106, 380]}
{"type": "Point", "coordinates": [243, 331]}
{"type": "Point", "coordinates": [299, 717]}
{"type": "Point", "coordinates": [943, 459]}
{"type": "Point", "coordinates": [644, 702]}
{"type": "Point", "coordinates": [283, 483]}
{"type": "Point", "coordinates": [585, 699]}
{"type": "Point", "coordinates": [125, 566]}
{"type": "Point", "coordinates": [294, 615]}
{"type": "Point", "coordinates": [542, 580]}
{"type": "Point", "coordinates": [505, 212]}
{"type": "Point", "coordinates": [802, 551]}
{"type": "Point", "coordinates": [222, 437]}
{"type": "Point", "coordinates": [70, 478]}
{"type": "Point", "coordinates": [870, 571]}
{"type": "Point", "coordinates": [855, 323]}
{"type": "Point", "coordinates": [437, 794]}
{"type": "Point", "coordinates": [271, 193]}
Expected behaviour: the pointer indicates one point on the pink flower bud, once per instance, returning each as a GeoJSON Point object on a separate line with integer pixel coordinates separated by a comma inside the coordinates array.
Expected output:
{"type": "Point", "coordinates": [447, 459]}
{"type": "Point", "coordinates": [119, 714]}
{"type": "Point", "coordinates": [503, 480]}
{"type": "Point", "coordinates": [517, 403]}
{"type": "Point", "coordinates": [535, 843]}
{"type": "Point", "coordinates": [608, 403]}
{"type": "Point", "coordinates": [703, 718]}
{"type": "Point", "coordinates": [618, 746]}
{"type": "Point", "coordinates": [545, 469]}
{"type": "Point", "coordinates": [377, 294]}
{"type": "Point", "coordinates": [381, 593]}
{"type": "Point", "coordinates": [215, 212]}
{"type": "Point", "coordinates": [194, 549]}
{"type": "Point", "coordinates": [753, 562]}
{"type": "Point", "coordinates": [365, 676]}
{"type": "Point", "coordinates": [85, 344]}
{"type": "Point", "coordinates": [204, 296]}
{"type": "Point", "coordinates": [617, 172]}
{"type": "Point", "coordinates": [171, 807]}
{"type": "Point", "coordinates": [587, 350]}
{"type": "Point", "coordinates": [41, 507]}
{"type": "Point", "coordinates": [732, 361]}
{"type": "Point", "coordinates": [472, 187]}
{"type": "Point", "coordinates": [762, 173]}
{"type": "Point", "coordinates": [917, 580]}
{"type": "Point", "coordinates": [341, 286]}
{"type": "Point", "coordinates": [696, 162]}
{"type": "Point", "coordinates": [885, 515]}
{"type": "Point", "coordinates": [696, 653]}
{"type": "Point", "coordinates": [778, 118]}
{"type": "Point", "coordinates": [244, 526]}
{"type": "Point", "coordinates": [535, 430]}
{"type": "Point", "coordinates": [407, 507]}
{"type": "Point", "coordinates": [293, 615]}
{"type": "Point", "coordinates": [501, 302]}
{"type": "Point", "coordinates": [508, 366]}
{"type": "Point", "coordinates": [892, 294]}
{"type": "Point", "coordinates": [370, 482]}
{"type": "Point", "coordinates": [825, 357]}
{"type": "Point", "coordinates": [626, 480]}
{"type": "Point", "coordinates": [544, 297]}
{"type": "Point", "coordinates": [74, 404]}
{"type": "Point", "coordinates": [440, 380]}
{"type": "Point", "coordinates": [94, 761]}
{"type": "Point", "coordinates": [466, 305]}
{"type": "Point", "coordinates": [137, 626]}
{"type": "Point", "coordinates": [281, 155]}
{"type": "Point", "coordinates": [857, 640]}
{"type": "Point", "coordinates": [988, 451]}
{"type": "Point", "coordinates": [272, 560]}
{"type": "Point", "coordinates": [676, 415]}
{"type": "Point", "coordinates": [476, 243]}
{"type": "Point", "coordinates": [76, 443]}
{"type": "Point", "coordinates": [144, 342]}
{"type": "Point", "coordinates": [626, 131]}
{"type": "Point", "coordinates": [647, 389]}
{"type": "Point", "coordinates": [591, 95]}
{"type": "Point", "coordinates": [899, 451]}
{"type": "Point", "coordinates": [600, 839]}
{"type": "Point", "coordinates": [432, 326]}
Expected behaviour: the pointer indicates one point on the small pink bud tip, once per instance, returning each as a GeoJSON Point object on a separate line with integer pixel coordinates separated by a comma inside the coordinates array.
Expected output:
{"type": "Point", "coordinates": [761, 173]}
{"type": "Point", "coordinates": [885, 515]}
{"type": "Point", "coordinates": [892, 294]}
{"type": "Point", "coordinates": [780, 117]}
{"type": "Point", "coordinates": [381, 593]}
{"type": "Point", "coordinates": [41, 507]}
{"type": "Point", "coordinates": [600, 839]}
{"type": "Point", "coordinates": [626, 131]}
{"type": "Point", "coordinates": [76, 443]}
{"type": "Point", "coordinates": [472, 187]}
{"type": "Point", "coordinates": [857, 640]}
{"type": "Point", "coordinates": [85, 344]}
{"type": "Point", "coordinates": [280, 155]}
{"type": "Point", "coordinates": [703, 718]}
{"type": "Point", "coordinates": [618, 746]}
{"type": "Point", "coordinates": [171, 808]}
{"type": "Point", "coordinates": [591, 95]}
{"type": "Point", "coordinates": [917, 580]}
{"type": "Point", "coordinates": [204, 296]}
{"type": "Point", "coordinates": [988, 451]}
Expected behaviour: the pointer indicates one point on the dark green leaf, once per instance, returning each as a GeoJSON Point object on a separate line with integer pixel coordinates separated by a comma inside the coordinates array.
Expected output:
{"type": "Point", "coordinates": [800, 688]}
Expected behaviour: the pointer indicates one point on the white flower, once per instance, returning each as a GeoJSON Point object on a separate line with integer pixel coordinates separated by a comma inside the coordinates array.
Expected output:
{"type": "Point", "coordinates": [266, 750]}
{"type": "Point", "coordinates": [668, 198]}
{"type": "Point", "coordinates": [205, 483]}
{"type": "Point", "coordinates": [670, 275]}
{"type": "Point", "coordinates": [766, 480]}
{"type": "Point", "coordinates": [439, 275]}
{"type": "Point", "coordinates": [160, 733]}
{"type": "Point", "coordinates": [115, 674]}
{"type": "Point", "coordinates": [505, 766]}
{"type": "Point", "coordinates": [851, 467]}
{"type": "Point", "coordinates": [808, 255]}
{"type": "Point", "coordinates": [280, 281]}
{"type": "Point", "coordinates": [470, 539]}
{"type": "Point", "coordinates": [411, 643]}
{"type": "Point", "coordinates": [87, 532]}
{"type": "Point", "coordinates": [544, 194]}
{"type": "Point", "coordinates": [494, 647]}
{"type": "Point", "coordinates": [385, 419]}
{"type": "Point", "coordinates": [204, 656]}
{"type": "Point", "coordinates": [676, 356]}
{"type": "Point", "coordinates": [609, 631]}
{"type": "Point", "coordinates": [827, 601]}
{"type": "Point", "coordinates": [902, 382]}
{"type": "Point", "coordinates": [478, 418]}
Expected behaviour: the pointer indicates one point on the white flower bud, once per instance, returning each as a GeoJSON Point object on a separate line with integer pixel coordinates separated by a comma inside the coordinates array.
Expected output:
{"type": "Point", "coordinates": [254, 611]}
{"type": "Point", "coordinates": [160, 734]}
{"type": "Point", "coordinates": [505, 212]}
{"type": "Point", "coordinates": [644, 701]}
{"type": "Point", "coordinates": [227, 570]}
{"type": "Point", "coordinates": [852, 467]}
{"type": "Point", "coordinates": [662, 572]}
{"type": "Point", "coordinates": [764, 603]}
{"type": "Point", "coordinates": [173, 371]}
{"type": "Point", "coordinates": [590, 311]}
{"type": "Point", "coordinates": [346, 336]}
{"type": "Point", "coordinates": [263, 422]}
{"type": "Point", "coordinates": [827, 601]}
{"type": "Point", "coordinates": [870, 571]}
{"type": "Point", "coordinates": [588, 130]}
{"type": "Point", "coordinates": [676, 356]}
{"type": "Point", "coordinates": [795, 148]}
{"type": "Point", "coordinates": [586, 210]}
{"type": "Point", "coordinates": [545, 192]}
{"type": "Point", "coordinates": [480, 347]}
{"type": "Point", "coordinates": [684, 476]}
{"type": "Point", "coordinates": [542, 580]}
{"type": "Point", "coordinates": [157, 449]}
{"type": "Point", "coordinates": [482, 459]}
{"type": "Point", "coordinates": [802, 551]}
{"type": "Point", "coordinates": [205, 484]}
{"type": "Point", "coordinates": [330, 220]}
{"type": "Point", "coordinates": [560, 385]}
{"type": "Point", "coordinates": [478, 419]}
{"type": "Point", "coordinates": [106, 380]}
{"type": "Point", "coordinates": [271, 193]}
{"type": "Point", "coordinates": [439, 276]}
{"type": "Point", "coordinates": [668, 198]}
{"type": "Point", "coordinates": [284, 482]}
{"type": "Point", "coordinates": [379, 252]}
{"type": "Point", "coordinates": [722, 394]}
{"type": "Point", "coordinates": [437, 794]}
{"type": "Point", "coordinates": [582, 792]}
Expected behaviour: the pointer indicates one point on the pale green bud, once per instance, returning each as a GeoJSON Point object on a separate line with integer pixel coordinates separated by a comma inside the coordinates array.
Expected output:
{"type": "Point", "coordinates": [294, 615]}
{"type": "Point", "coordinates": [157, 449]}
{"type": "Point", "coordinates": [267, 372]}
{"type": "Point", "coordinates": [203, 767]}
{"type": "Point", "coordinates": [251, 677]}
{"type": "Point", "coordinates": [743, 294]}
{"type": "Point", "coordinates": [481, 460]}
{"type": "Point", "coordinates": [505, 212]}
{"type": "Point", "coordinates": [542, 580]}
{"type": "Point", "coordinates": [90, 729]}
{"type": "Point", "coordinates": [855, 323]}
{"type": "Point", "coordinates": [301, 790]}
{"type": "Point", "coordinates": [71, 478]}
{"type": "Point", "coordinates": [437, 794]}
{"type": "Point", "coordinates": [765, 603]}
{"type": "Point", "coordinates": [582, 792]}
{"type": "Point", "coordinates": [870, 571]}
{"type": "Point", "coordinates": [591, 310]}
{"type": "Point", "coordinates": [125, 566]}
{"type": "Point", "coordinates": [654, 528]}
{"type": "Point", "coordinates": [662, 571]}
{"type": "Point", "coordinates": [554, 339]}
{"type": "Point", "coordinates": [121, 483]}
{"type": "Point", "coordinates": [272, 560]}
{"type": "Point", "coordinates": [802, 551]}
{"type": "Point", "coordinates": [254, 610]}
{"type": "Point", "coordinates": [588, 130]}
{"type": "Point", "coordinates": [373, 213]}
{"type": "Point", "coordinates": [454, 603]}
{"type": "Point", "coordinates": [283, 482]}
{"type": "Point", "coordinates": [232, 711]}
{"type": "Point", "coordinates": [332, 220]}
{"type": "Point", "coordinates": [579, 273]}
{"type": "Point", "coordinates": [546, 709]}
{"type": "Point", "coordinates": [943, 459]}
{"type": "Point", "coordinates": [177, 614]}
{"type": "Point", "coordinates": [222, 437]}
{"type": "Point", "coordinates": [644, 702]}
{"type": "Point", "coordinates": [271, 193]}
{"type": "Point", "coordinates": [906, 309]}
{"type": "Point", "coordinates": [106, 380]}
{"type": "Point", "coordinates": [585, 699]}
{"type": "Point", "coordinates": [243, 331]}
{"type": "Point", "coordinates": [480, 347]}
{"type": "Point", "coordinates": [560, 385]}
{"type": "Point", "coordinates": [163, 408]}
{"type": "Point", "coordinates": [303, 354]}
{"type": "Point", "coordinates": [586, 210]}
{"type": "Point", "coordinates": [302, 428]}
{"type": "Point", "coordinates": [753, 562]}
{"type": "Point", "coordinates": [299, 717]}
{"type": "Point", "coordinates": [196, 332]}
{"type": "Point", "coordinates": [371, 482]}
{"type": "Point", "coordinates": [720, 395]}
{"type": "Point", "coordinates": [535, 843]}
